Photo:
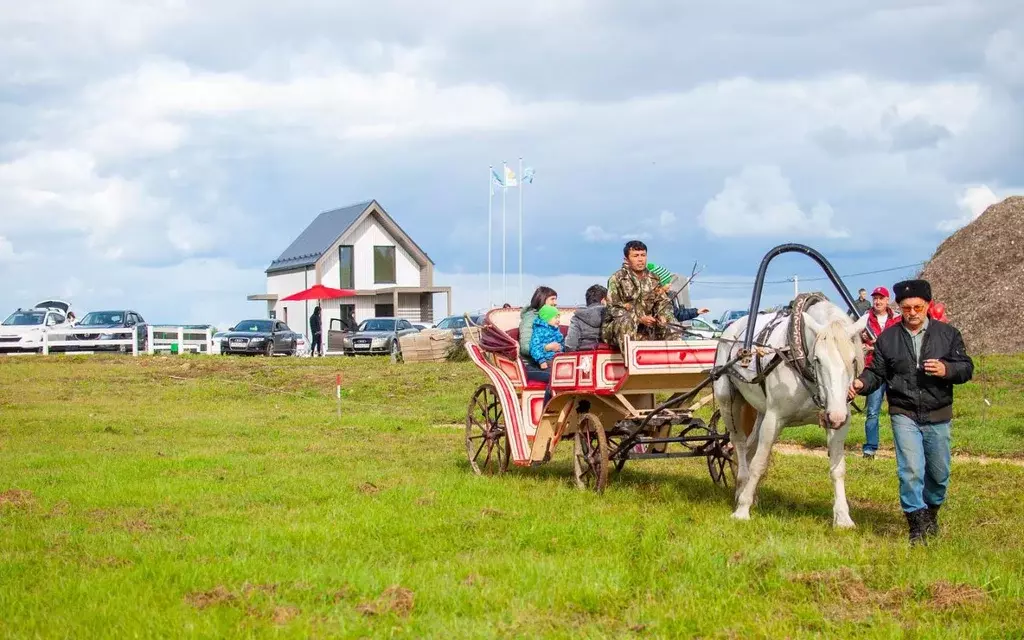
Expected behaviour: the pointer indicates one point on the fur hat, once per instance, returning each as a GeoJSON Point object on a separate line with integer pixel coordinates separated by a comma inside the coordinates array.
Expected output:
{"type": "Point", "coordinates": [912, 289]}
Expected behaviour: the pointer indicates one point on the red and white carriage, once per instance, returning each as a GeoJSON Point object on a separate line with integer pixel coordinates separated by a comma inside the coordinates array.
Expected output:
{"type": "Point", "coordinates": [604, 400]}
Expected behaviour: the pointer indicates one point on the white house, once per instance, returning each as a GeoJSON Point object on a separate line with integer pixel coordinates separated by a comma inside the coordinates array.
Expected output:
{"type": "Point", "coordinates": [357, 247]}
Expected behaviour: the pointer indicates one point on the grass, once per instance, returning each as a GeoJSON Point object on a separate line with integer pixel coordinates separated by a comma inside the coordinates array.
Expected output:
{"type": "Point", "coordinates": [222, 497]}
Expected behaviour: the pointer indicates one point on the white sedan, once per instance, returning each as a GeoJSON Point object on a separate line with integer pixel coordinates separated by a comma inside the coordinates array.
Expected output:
{"type": "Point", "coordinates": [701, 329]}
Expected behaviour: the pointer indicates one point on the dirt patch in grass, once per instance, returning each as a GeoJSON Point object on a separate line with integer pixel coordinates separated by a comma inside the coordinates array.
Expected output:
{"type": "Point", "coordinates": [946, 595]}
{"type": "Point", "coordinates": [249, 590]}
{"type": "Point", "coordinates": [844, 594]}
{"type": "Point", "coordinates": [204, 599]}
{"type": "Point", "coordinates": [137, 525]}
{"type": "Point", "coordinates": [284, 615]}
{"type": "Point", "coordinates": [17, 498]}
{"type": "Point", "coordinates": [368, 488]}
{"type": "Point", "coordinates": [395, 599]}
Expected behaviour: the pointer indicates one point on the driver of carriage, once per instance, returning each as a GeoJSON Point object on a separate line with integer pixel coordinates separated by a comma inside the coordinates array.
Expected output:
{"type": "Point", "coordinates": [638, 307]}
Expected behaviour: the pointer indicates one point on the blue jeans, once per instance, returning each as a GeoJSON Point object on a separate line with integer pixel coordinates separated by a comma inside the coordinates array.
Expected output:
{"type": "Point", "coordinates": [872, 408]}
{"type": "Point", "coordinates": [922, 462]}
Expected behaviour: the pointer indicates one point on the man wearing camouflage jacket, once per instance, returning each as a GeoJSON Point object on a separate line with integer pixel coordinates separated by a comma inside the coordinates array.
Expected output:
{"type": "Point", "coordinates": [637, 305]}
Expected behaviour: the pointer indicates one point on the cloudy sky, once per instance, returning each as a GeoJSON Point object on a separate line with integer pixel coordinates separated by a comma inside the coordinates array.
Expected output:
{"type": "Point", "coordinates": [158, 154]}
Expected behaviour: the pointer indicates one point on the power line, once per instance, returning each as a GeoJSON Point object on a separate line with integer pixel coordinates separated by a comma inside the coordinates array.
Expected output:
{"type": "Point", "coordinates": [749, 283]}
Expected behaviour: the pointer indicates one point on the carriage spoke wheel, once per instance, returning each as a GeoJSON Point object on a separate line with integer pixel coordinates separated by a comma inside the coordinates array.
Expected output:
{"type": "Point", "coordinates": [613, 444]}
{"type": "Point", "coordinates": [721, 457]}
{"type": "Point", "coordinates": [487, 445]}
{"type": "Point", "coordinates": [590, 454]}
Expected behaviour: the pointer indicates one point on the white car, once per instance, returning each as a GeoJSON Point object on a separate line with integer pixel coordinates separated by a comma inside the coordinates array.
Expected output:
{"type": "Point", "coordinates": [23, 330]}
{"type": "Point", "coordinates": [700, 328]}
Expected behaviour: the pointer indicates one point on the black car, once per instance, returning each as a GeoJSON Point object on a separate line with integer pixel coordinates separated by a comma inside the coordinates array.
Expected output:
{"type": "Point", "coordinates": [254, 337]}
{"type": "Point", "coordinates": [118, 319]}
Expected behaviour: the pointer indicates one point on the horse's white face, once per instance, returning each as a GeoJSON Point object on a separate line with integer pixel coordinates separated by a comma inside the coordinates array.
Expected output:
{"type": "Point", "coordinates": [837, 356]}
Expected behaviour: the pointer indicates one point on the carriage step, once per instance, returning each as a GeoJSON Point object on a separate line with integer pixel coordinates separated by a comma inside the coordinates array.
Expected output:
{"type": "Point", "coordinates": [681, 439]}
{"type": "Point", "coordinates": [689, 454]}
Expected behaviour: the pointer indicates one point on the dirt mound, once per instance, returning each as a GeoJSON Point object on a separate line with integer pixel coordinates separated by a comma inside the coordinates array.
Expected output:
{"type": "Point", "coordinates": [978, 273]}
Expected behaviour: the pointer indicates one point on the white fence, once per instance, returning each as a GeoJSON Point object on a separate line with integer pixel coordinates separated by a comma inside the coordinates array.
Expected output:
{"type": "Point", "coordinates": [127, 340]}
{"type": "Point", "coordinates": [197, 345]}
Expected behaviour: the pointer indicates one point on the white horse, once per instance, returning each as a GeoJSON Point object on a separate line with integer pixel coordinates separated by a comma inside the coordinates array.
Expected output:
{"type": "Point", "coordinates": [836, 356]}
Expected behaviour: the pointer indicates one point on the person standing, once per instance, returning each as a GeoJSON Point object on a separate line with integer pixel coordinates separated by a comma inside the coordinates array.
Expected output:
{"type": "Point", "coordinates": [919, 363]}
{"type": "Point", "coordinates": [862, 304]}
{"type": "Point", "coordinates": [315, 326]}
{"type": "Point", "coordinates": [881, 318]}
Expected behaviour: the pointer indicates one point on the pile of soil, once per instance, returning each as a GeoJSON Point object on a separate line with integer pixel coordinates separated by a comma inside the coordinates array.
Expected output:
{"type": "Point", "coordinates": [978, 273]}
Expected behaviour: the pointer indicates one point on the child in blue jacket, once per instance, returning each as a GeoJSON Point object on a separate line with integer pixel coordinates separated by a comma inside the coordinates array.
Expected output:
{"type": "Point", "coordinates": [545, 343]}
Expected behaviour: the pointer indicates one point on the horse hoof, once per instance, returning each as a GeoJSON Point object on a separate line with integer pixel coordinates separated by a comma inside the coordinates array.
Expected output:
{"type": "Point", "coordinates": [844, 523]}
{"type": "Point", "coordinates": [740, 515]}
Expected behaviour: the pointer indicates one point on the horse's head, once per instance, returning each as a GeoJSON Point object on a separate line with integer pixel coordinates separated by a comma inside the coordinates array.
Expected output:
{"type": "Point", "coordinates": [836, 356]}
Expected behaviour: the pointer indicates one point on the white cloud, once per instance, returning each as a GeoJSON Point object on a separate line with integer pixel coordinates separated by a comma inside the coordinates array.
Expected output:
{"type": "Point", "coordinates": [666, 218]}
{"type": "Point", "coordinates": [1004, 54]}
{"type": "Point", "coordinates": [6, 250]}
{"type": "Point", "coordinates": [760, 202]}
{"type": "Point", "coordinates": [594, 233]}
{"type": "Point", "coordinates": [973, 201]}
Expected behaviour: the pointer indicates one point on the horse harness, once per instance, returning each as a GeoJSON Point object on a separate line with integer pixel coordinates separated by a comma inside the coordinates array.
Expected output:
{"type": "Point", "coordinates": [794, 353]}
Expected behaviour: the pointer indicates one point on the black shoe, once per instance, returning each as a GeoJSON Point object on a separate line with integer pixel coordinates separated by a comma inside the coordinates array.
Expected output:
{"type": "Point", "coordinates": [917, 522]}
{"type": "Point", "coordinates": [931, 527]}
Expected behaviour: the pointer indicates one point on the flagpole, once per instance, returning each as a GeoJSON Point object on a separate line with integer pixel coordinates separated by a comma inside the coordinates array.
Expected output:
{"type": "Point", "coordinates": [504, 227]}
{"type": "Point", "coordinates": [490, 232]}
{"type": "Point", "coordinates": [521, 187]}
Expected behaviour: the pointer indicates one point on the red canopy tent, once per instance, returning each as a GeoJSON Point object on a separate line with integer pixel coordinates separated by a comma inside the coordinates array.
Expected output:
{"type": "Point", "coordinates": [319, 292]}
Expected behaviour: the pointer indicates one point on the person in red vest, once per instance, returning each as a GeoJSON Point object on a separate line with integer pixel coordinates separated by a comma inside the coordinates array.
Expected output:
{"type": "Point", "coordinates": [880, 318]}
{"type": "Point", "coordinates": [937, 311]}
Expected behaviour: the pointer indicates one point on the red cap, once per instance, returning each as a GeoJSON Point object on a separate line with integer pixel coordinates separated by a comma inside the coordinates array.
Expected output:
{"type": "Point", "coordinates": [880, 291]}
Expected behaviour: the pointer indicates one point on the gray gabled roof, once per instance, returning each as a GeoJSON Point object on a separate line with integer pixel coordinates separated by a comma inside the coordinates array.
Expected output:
{"type": "Point", "coordinates": [318, 237]}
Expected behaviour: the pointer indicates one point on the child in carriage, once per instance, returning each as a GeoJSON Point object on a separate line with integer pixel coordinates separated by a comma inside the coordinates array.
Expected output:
{"type": "Point", "coordinates": [545, 342]}
{"type": "Point", "coordinates": [668, 281]}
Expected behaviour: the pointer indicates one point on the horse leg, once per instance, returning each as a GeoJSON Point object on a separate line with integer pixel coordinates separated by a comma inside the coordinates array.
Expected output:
{"type": "Point", "coordinates": [765, 432]}
{"type": "Point", "coordinates": [729, 406]}
{"type": "Point", "coordinates": [837, 469]}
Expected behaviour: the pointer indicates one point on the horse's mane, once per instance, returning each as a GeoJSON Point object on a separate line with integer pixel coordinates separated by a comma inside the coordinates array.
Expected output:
{"type": "Point", "coordinates": [835, 333]}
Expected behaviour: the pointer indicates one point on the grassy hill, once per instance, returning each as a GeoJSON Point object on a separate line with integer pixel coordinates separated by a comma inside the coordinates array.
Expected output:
{"type": "Point", "coordinates": [223, 497]}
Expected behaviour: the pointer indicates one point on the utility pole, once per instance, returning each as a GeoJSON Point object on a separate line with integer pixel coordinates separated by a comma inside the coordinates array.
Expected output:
{"type": "Point", "coordinates": [796, 286]}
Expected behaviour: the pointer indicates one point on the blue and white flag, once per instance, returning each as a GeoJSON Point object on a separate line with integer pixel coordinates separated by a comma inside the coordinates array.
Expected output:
{"type": "Point", "coordinates": [496, 181]}
{"type": "Point", "coordinates": [528, 174]}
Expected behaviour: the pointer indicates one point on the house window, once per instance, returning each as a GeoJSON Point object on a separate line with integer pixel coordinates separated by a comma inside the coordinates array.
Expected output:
{"type": "Point", "coordinates": [384, 265]}
{"type": "Point", "coordinates": [346, 265]}
{"type": "Point", "coordinates": [384, 310]}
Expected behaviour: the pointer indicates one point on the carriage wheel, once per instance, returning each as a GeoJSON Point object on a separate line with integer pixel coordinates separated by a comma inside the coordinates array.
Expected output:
{"type": "Point", "coordinates": [722, 457]}
{"type": "Point", "coordinates": [590, 454]}
{"type": "Point", "coordinates": [613, 443]}
{"type": "Point", "coordinates": [487, 445]}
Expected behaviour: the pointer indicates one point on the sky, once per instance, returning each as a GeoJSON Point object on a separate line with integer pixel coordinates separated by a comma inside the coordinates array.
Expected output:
{"type": "Point", "coordinates": [157, 155]}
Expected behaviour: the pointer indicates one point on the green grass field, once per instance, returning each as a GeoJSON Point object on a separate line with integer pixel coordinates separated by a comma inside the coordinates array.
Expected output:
{"type": "Point", "coordinates": [221, 497]}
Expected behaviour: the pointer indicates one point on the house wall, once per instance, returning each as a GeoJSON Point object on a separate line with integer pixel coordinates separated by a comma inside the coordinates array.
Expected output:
{"type": "Point", "coordinates": [363, 238]}
{"type": "Point", "coordinates": [286, 283]}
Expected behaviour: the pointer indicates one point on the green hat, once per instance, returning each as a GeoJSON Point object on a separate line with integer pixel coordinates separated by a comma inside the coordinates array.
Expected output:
{"type": "Point", "coordinates": [661, 273]}
{"type": "Point", "coordinates": [547, 312]}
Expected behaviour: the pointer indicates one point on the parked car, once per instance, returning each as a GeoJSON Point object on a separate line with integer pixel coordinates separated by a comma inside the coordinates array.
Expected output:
{"type": "Point", "coordinates": [254, 337]}
{"type": "Point", "coordinates": [23, 330]}
{"type": "Point", "coordinates": [377, 336]}
{"type": "Point", "coordinates": [699, 328]}
{"type": "Point", "coordinates": [730, 317]}
{"type": "Point", "coordinates": [120, 319]}
{"type": "Point", "coordinates": [456, 324]}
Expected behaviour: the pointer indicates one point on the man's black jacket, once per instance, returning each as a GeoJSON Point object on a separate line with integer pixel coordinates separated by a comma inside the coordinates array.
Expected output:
{"type": "Point", "coordinates": [314, 323]}
{"type": "Point", "coordinates": [924, 398]}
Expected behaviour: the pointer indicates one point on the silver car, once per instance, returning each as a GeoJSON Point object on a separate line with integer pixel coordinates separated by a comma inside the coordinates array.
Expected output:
{"type": "Point", "coordinates": [377, 336]}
